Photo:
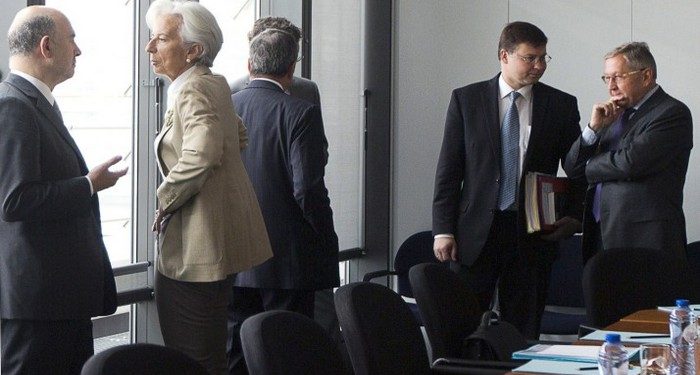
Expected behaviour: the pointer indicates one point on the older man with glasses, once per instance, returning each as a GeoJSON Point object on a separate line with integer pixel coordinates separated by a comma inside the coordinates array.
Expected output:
{"type": "Point", "coordinates": [496, 132]}
{"type": "Point", "coordinates": [634, 154]}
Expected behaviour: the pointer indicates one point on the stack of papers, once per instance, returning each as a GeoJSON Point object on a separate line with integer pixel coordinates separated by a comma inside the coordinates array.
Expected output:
{"type": "Point", "coordinates": [631, 337]}
{"type": "Point", "coordinates": [564, 359]}
{"type": "Point", "coordinates": [566, 368]}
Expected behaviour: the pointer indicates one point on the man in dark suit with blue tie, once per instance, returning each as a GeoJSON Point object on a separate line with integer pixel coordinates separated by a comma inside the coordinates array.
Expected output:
{"type": "Point", "coordinates": [634, 154]}
{"type": "Point", "coordinates": [285, 159]}
{"type": "Point", "coordinates": [496, 132]}
{"type": "Point", "coordinates": [54, 270]}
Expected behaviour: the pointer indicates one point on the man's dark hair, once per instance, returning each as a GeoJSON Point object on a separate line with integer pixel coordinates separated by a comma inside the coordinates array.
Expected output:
{"type": "Point", "coordinates": [520, 32]}
{"type": "Point", "coordinates": [26, 36]}
{"type": "Point", "coordinates": [279, 23]}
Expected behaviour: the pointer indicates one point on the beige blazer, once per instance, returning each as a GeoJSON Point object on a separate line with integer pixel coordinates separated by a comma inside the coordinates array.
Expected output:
{"type": "Point", "coordinates": [216, 228]}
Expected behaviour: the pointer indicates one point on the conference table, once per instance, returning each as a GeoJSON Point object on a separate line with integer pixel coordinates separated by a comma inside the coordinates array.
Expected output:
{"type": "Point", "coordinates": [649, 321]}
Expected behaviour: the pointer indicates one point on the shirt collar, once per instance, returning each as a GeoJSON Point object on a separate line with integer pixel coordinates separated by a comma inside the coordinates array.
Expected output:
{"type": "Point", "coordinates": [268, 80]}
{"type": "Point", "coordinates": [176, 85]}
{"type": "Point", "coordinates": [504, 89]}
{"type": "Point", "coordinates": [646, 97]}
{"type": "Point", "coordinates": [41, 86]}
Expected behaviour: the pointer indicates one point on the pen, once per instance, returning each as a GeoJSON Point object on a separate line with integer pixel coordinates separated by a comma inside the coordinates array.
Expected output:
{"type": "Point", "coordinates": [649, 336]}
{"type": "Point", "coordinates": [588, 368]}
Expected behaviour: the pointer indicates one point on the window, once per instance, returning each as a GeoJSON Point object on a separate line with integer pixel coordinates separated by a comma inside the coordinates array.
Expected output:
{"type": "Point", "coordinates": [97, 106]}
{"type": "Point", "coordinates": [235, 18]}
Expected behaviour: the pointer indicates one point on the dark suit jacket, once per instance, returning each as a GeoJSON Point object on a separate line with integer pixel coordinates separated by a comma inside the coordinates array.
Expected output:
{"type": "Point", "coordinates": [300, 88]}
{"type": "Point", "coordinates": [53, 263]}
{"type": "Point", "coordinates": [642, 196]}
{"type": "Point", "coordinates": [285, 159]}
{"type": "Point", "coordinates": [468, 170]}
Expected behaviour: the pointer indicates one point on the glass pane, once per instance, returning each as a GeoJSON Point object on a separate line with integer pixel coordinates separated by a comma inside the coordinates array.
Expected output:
{"type": "Point", "coordinates": [336, 68]}
{"type": "Point", "coordinates": [97, 105]}
{"type": "Point", "coordinates": [235, 18]}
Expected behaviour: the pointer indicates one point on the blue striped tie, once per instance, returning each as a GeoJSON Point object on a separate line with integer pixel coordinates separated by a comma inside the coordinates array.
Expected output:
{"type": "Point", "coordinates": [510, 154]}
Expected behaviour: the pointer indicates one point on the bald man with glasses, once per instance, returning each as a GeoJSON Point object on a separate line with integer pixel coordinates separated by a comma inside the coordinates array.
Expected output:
{"type": "Point", "coordinates": [634, 154]}
{"type": "Point", "coordinates": [497, 131]}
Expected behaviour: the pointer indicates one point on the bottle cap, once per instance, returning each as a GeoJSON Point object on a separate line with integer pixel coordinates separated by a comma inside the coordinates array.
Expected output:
{"type": "Point", "coordinates": [682, 303]}
{"type": "Point", "coordinates": [612, 338]}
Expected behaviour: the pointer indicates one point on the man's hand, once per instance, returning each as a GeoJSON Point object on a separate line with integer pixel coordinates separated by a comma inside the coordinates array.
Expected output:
{"type": "Point", "coordinates": [604, 114]}
{"type": "Point", "coordinates": [566, 227]}
{"type": "Point", "coordinates": [445, 248]}
{"type": "Point", "coordinates": [102, 177]}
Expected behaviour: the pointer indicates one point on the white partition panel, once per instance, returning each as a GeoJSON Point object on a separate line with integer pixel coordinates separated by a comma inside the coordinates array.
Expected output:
{"type": "Point", "coordinates": [672, 31]}
{"type": "Point", "coordinates": [438, 46]}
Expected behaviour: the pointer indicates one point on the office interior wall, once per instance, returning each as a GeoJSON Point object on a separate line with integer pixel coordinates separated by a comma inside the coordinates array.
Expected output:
{"type": "Point", "coordinates": [440, 48]}
{"type": "Point", "coordinates": [10, 8]}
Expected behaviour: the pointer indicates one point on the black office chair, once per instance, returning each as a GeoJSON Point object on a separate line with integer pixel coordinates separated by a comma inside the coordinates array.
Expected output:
{"type": "Point", "coordinates": [449, 310]}
{"type": "Point", "coordinates": [381, 334]}
{"type": "Point", "coordinates": [288, 343]}
{"type": "Point", "coordinates": [693, 254]}
{"type": "Point", "coordinates": [618, 282]}
{"type": "Point", "coordinates": [416, 249]}
{"type": "Point", "coordinates": [565, 309]}
{"type": "Point", "coordinates": [142, 359]}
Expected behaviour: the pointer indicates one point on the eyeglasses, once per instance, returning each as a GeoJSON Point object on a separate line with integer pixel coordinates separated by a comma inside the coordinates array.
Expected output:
{"type": "Point", "coordinates": [544, 59]}
{"type": "Point", "coordinates": [300, 57]}
{"type": "Point", "coordinates": [617, 77]}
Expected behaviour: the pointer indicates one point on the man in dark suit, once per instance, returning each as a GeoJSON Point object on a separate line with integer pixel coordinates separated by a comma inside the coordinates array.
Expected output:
{"type": "Point", "coordinates": [324, 310]}
{"type": "Point", "coordinates": [493, 138]}
{"type": "Point", "coordinates": [300, 87]}
{"type": "Point", "coordinates": [54, 270]}
{"type": "Point", "coordinates": [285, 159]}
{"type": "Point", "coordinates": [634, 154]}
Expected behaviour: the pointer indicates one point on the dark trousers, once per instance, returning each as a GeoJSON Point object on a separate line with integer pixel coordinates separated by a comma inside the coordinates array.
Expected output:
{"type": "Point", "coordinates": [193, 319]}
{"type": "Point", "coordinates": [58, 347]}
{"type": "Point", "coordinates": [521, 274]}
{"type": "Point", "coordinates": [247, 302]}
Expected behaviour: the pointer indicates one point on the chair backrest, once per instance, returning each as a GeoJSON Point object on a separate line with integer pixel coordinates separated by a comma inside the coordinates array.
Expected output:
{"type": "Point", "coordinates": [693, 254]}
{"type": "Point", "coordinates": [142, 359]}
{"type": "Point", "coordinates": [567, 271]}
{"type": "Point", "coordinates": [565, 308]}
{"type": "Point", "coordinates": [381, 335]}
{"type": "Point", "coordinates": [284, 342]}
{"type": "Point", "coordinates": [449, 310]}
{"type": "Point", "coordinates": [618, 282]}
{"type": "Point", "coordinates": [416, 249]}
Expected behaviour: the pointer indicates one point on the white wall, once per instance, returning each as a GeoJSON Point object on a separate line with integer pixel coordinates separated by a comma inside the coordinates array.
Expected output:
{"type": "Point", "coordinates": [438, 48]}
{"type": "Point", "coordinates": [10, 8]}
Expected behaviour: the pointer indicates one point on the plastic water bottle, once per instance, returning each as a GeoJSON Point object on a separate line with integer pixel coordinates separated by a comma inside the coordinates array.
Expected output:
{"type": "Point", "coordinates": [683, 330]}
{"type": "Point", "coordinates": [612, 357]}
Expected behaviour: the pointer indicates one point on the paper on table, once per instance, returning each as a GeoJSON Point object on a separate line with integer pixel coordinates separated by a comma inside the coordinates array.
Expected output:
{"type": "Point", "coordinates": [558, 367]}
{"type": "Point", "coordinates": [629, 337]}
{"type": "Point", "coordinates": [576, 353]}
{"type": "Point", "coordinates": [669, 308]}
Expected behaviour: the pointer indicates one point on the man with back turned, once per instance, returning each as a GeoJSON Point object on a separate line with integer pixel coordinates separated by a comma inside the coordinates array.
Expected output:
{"type": "Point", "coordinates": [285, 159]}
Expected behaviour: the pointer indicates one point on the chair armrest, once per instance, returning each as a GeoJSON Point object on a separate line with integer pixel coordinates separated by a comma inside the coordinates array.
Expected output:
{"type": "Point", "coordinates": [470, 366]}
{"type": "Point", "coordinates": [373, 275]}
